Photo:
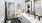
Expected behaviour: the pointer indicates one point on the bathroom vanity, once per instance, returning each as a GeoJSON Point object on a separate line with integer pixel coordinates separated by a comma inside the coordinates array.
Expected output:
{"type": "Point", "coordinates": [26, 19]}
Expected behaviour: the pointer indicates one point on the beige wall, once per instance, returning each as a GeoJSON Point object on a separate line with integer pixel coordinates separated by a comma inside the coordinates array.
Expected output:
{"type": "Point", "coordinates": [18, 1]}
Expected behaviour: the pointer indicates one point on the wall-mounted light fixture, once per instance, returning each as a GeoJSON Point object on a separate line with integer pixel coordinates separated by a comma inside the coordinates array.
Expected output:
{"type": "Point", "coordinates": [27, 0]}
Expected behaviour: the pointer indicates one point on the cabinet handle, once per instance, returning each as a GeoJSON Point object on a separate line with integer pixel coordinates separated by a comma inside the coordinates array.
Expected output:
{"type": "Point", "coordinates": [21, 18]}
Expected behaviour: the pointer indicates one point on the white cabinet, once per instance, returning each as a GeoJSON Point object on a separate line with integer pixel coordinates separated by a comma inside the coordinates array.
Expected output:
{"type": "Point", "coordinates": [2, 19]}
{"type": "Point", "coordinates": [24, 20]}
{"type": "Point", "coordinates": [2, 11]}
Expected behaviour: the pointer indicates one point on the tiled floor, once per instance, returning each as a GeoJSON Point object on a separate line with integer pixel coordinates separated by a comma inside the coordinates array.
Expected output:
{"type": "Point", "coordinates": [14, 21]}
{"type": "Point", "coordinates": [9, 21]}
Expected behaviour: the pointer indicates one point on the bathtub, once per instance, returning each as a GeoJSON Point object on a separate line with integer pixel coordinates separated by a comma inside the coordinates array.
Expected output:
{"type": "Point", "coordinates": [2, 19]}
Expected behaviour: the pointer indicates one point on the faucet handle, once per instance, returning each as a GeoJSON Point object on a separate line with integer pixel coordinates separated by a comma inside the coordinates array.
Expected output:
{"type": "Point", "coordinates": [39, 17]}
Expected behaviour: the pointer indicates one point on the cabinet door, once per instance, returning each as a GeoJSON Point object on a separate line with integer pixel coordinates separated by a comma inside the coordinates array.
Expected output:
{"type": "Point", "coordinates": [2, 8]}
{"type": "Point", "coordinates": [2, 11]}
{"type": "Point", "coordinates": [24, 20]}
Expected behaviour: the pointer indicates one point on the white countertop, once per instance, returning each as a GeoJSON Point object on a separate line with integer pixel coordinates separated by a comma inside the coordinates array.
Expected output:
{"type": "Point", "coordinates": [31, 19]}
{"type": "Point", "coordinates": [1, 18]}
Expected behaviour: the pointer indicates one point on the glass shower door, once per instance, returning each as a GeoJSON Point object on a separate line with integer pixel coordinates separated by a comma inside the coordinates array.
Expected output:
{"type": "Point", "coordinates": [10, 10]}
